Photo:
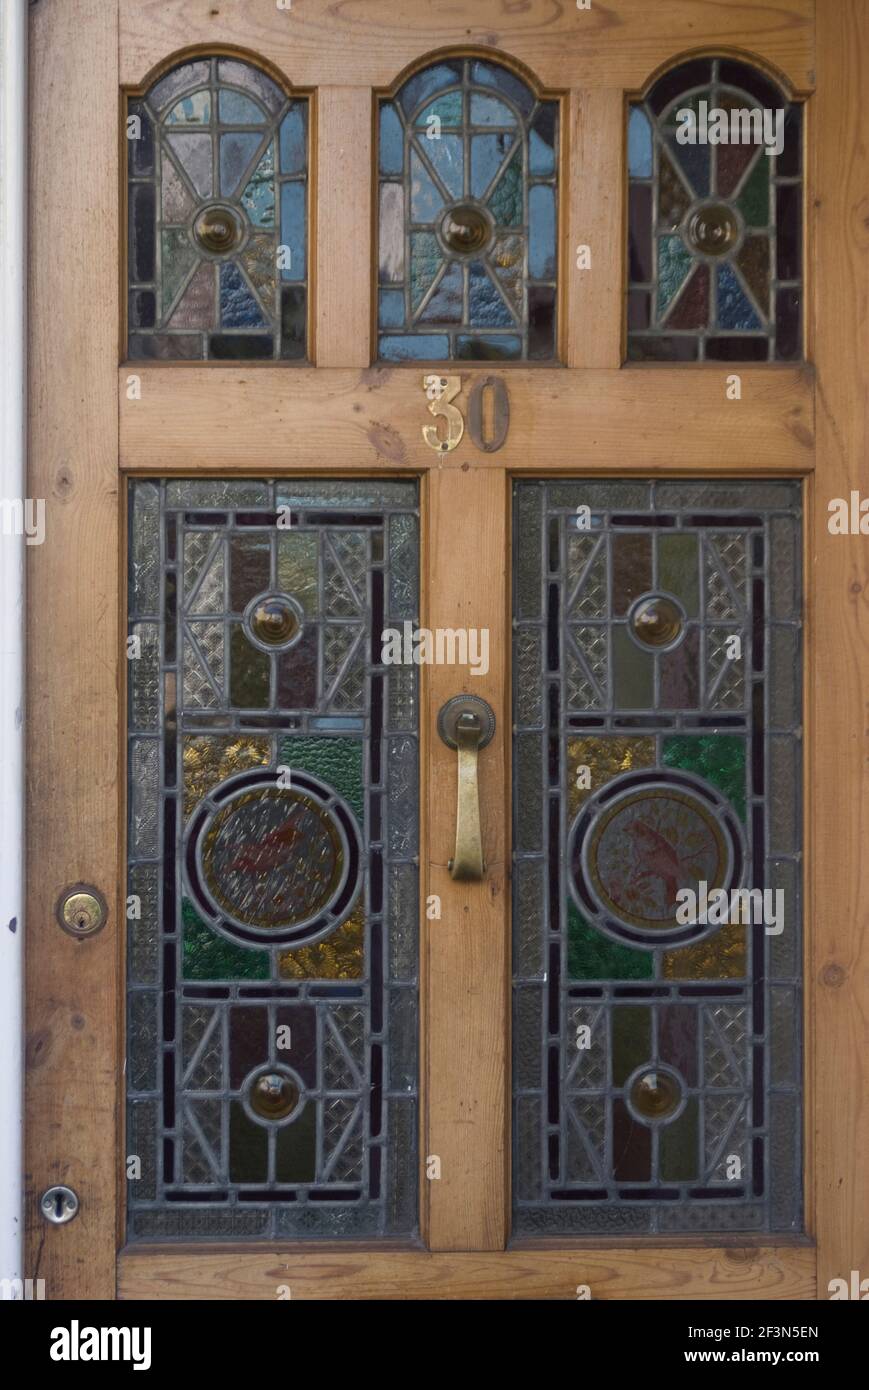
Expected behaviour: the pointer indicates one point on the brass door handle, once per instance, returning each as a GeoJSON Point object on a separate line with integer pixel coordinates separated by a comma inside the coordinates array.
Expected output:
{"type": "Point", "coordinates": [467, 723]}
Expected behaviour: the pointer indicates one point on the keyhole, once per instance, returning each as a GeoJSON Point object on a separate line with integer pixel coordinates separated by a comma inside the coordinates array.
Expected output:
{"type": "Point", "coordinates": [81, 921]}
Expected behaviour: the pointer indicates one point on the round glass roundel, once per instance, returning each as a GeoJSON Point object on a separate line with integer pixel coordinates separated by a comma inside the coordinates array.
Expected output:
{"type": "Point", "coordinates": [273, 1095]}
{"type": "Point", "coordinates": [218, 230]}
{"type": "Point", "coordinates": [272, 857]}
{"type": "Point", "coordinates": [466, 229]}
{"type": "Point", "coordinates": [657, 621]}
{"type": "Point", "coordinates": [645, 839]}
{"type": "Point", "coordinates": [713, 230]}
{"type": "Point", "coordinates": [655, 1093]}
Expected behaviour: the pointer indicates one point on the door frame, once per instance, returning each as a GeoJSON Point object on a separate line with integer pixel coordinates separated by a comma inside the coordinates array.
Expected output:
{"type": "Point", "coordinates": [86, 437]}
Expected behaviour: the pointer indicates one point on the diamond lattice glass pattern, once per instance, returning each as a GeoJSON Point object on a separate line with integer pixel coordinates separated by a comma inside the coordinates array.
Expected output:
{"type": "Point", "coordinates": [272, 956]}
{"type": "Point", "coordinates": [714, 230]}
{"type": "Point", "coordinates": [468, 216]}
{"type": "Point", "coordinates": [217, 208]}
{"type": "Point", "coordinates": [656, 1055]}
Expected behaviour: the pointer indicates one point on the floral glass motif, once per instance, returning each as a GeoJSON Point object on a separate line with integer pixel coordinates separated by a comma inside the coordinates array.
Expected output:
{"type": "Point", "coordinates": [468, 161]}
{"type": "Point", "coordinates": [714, 230]}
{"type": "Point", "coordinates": [657, 748]}
{"type": "Point", "coordinates": [273, 884]}
{"type": "Point", "coordinates": [217, 199]}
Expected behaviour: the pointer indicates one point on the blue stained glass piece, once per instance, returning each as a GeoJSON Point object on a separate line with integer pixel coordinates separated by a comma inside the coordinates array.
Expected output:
{"type": "Point", "coordinates": [489, 111]}
{"type": "Point", "coordinates": [488, 153]}
{"type": "Point", "coordinates": [407, 347]}
{"type": "Point", "coordinates": [258, 198]}
{"type": "Point", "coordinates": [390, 311]}
{"type": "Point", "coordinates": [541, 242]}
{"type": "Point", "coordinates": [237, 109]}
{"type": "Point", "coordinates": [424, 84]}
{"type": "Point", "coordinates": [695, 161]}
{"type": "Point", "coordinates": [541, 140]}
{"type": "Point", "coordinates": [448, 158]}
{"type": "Point", "coordinates": [425, 200]}
{"type": "Point", "coordinates": [447, 109]}
{"type": "Point", "coordinates": [391, 140]}
{"type": "Point", "coordinates": [236, 152]}
{"type": "Point", "coordinates": [639, 144]}
{"type": "Point", "coordinates": [734, 309]}
{"type": "Point", "coordinates": [505, 202]}
{"type": "Point", "coordinates": [486, 308]}
{"type": "Point", "coordinates": [294, 140]}
{"type": "Point", "coordinates": [293, 229]}
{"type": "Point", "coordinates": [192, 110]}
{"type": "Point", "coordinates": [503, 81]}
{"type": "Point", "coordinates": [238, 307]}
{"type": "Point", "coordinates": [445, 305]}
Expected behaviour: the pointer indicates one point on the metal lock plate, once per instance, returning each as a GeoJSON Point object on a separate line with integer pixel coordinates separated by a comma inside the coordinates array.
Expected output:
{"type": "Point", "coordinates": [58, 1204]}
{"type": "Point", "coordinates": [82, 910]}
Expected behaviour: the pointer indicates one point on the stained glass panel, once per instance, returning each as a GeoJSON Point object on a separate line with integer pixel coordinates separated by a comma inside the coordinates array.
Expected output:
{"type": "Point", "coordinates": [657, 751]}
{"type": "Point", "coordinates": [273, 880]}
{"type": "Point", "coordinates": [468, 217]}
{"type": "Point", "coordinates": [714, 217]}
{"type": "Point", "coordinates": [217, 197]}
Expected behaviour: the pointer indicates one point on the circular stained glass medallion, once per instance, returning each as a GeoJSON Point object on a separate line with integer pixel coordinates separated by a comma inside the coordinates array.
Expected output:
{"type": "Point", "coordinates": [466, 229]}
{"type": "Point", "coordinates": [218, 230]}
{"type": "Point", "coordinates": [274, 864]}
{"type": "Point", "coordinates": [272, 1094]}
{"type": "Point", "coordinates": [642, 841]}
{"type": "Point", "coordinates": [273, 622]}
{"type": "Point", "coordinates": [712, 229]}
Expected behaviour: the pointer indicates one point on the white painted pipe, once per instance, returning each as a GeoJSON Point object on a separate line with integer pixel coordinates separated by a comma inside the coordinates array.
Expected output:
{"type": "Point", "coordinates": [13, 491]}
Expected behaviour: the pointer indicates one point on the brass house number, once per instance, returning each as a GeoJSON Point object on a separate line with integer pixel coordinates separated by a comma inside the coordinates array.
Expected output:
{"type": "Point", "coordinates": [488, 413]}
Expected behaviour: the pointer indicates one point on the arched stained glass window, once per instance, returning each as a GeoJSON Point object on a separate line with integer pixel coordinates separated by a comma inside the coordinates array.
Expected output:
{"type": "Point", "coordinates": [217, 263]}
{"type": "Point", "coordinates": [468, 162]}
{"type": "Point", "coordinates": [715, 256]}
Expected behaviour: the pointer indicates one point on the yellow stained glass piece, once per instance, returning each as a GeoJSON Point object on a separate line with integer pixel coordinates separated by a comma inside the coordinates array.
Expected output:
{"type": "Point", "coordinates": [605, 759]}
{"type": "Point", "coordinates": [721, 956]}
{"type": "Point", "coordinates": [341, 956]}
{"type": "Point", "coordinates": [209, 760]}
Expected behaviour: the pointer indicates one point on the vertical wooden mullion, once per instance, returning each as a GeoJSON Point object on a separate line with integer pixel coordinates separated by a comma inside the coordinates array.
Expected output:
{"type": "Point", "coordinates": [73, 1061]}
{"type": "Point", "coordinates": [839, 801]}
{"type": "Point", "coordinates": [342, 282]}
{"type": "Point", "coordinates": [595, 194]}
{"type": "Point", "coordinates": [466, 948]}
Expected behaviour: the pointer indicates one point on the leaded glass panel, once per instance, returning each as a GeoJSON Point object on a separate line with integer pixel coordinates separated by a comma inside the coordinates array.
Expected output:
{"type": "Point", "coordinates": [217, 210]}
{"type": "Point", "coordinates": [273, 881]}
{"type": "Point", "coordinates": [468, 216]}
{"type": "Point", "coordinates": [715, 221]}
{"type": "Point", "coordinates": [657, 755]}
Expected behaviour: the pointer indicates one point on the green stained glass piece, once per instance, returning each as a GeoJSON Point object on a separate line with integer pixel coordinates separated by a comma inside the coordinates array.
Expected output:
{"type": "Point", "coordinates": [297, 569]}
{"type": "Point", "coordinates": [678, 1146]}
{"type": "Point", "coordinates": [593, 956]}
{"type": "Point", "coordinates": [258, 198]}
{"type": "Point", "coordinates": [753, 202]}
{"type": "Point", "coordinates": [674, 262]}
{"type": "Point", "coordinates": [678, 570]}
{"type": "Point", "coordinates": [447, 109]}
{"type": "Point", "coordinates": [720, 758]}
{"type": "Point", "coordinates": [425, 262]}
{"type": "Point", "coordinates": [505, 204]}
{"type": "Point", "coordinates": [179, 259]}
{"type": "Point", "coordinates": [633, 672]}
{"type": "Point", "coordinates": [631, 1040]}
{"type": "Point", "coordinates": [249, 672]}
{"type": "Point", "coordinates": [248, 1147]}
{"type": "Point", "coordinates": [337, 761]}
{"type": "Point", "coordinates": [209, 956]}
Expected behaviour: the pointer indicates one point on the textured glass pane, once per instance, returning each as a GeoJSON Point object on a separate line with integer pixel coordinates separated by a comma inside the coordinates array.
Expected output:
{"type": "Point", "coordinates": [273, 883]}
{"type": "Point", "coordinates": [714, 225]}
{"type": "Point", "coordinates": [217, 216]}
{"type": "Point", "coordinates": [657, 824]}
{"type": "Point", "coordinates": [467, 239]}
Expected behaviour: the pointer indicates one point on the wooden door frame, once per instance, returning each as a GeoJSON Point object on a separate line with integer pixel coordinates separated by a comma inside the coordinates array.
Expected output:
{"type": "Point", "coordinates": [591, 416]}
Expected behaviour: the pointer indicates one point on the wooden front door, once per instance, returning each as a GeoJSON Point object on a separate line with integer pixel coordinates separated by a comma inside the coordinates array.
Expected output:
{"type": "Point", "coordinates": [346, 326]}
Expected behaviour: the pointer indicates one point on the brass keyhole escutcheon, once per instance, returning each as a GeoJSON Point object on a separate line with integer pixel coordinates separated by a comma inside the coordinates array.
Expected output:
{"type": "Point", "coordinates": [713, 230]}
{"type": "Point", "coordinates": [218, 229]}
{"type": "Point", "coordinates": [82, 910]}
